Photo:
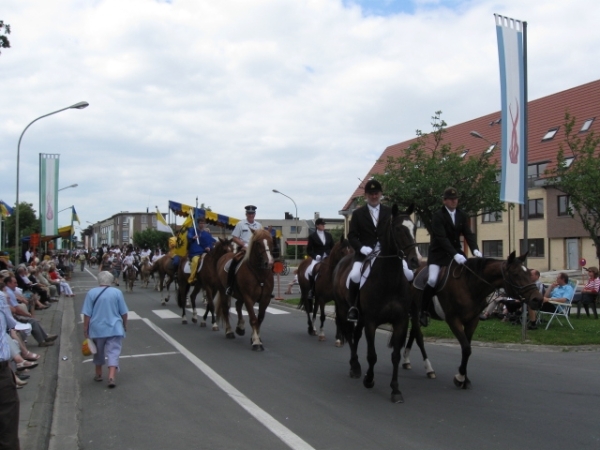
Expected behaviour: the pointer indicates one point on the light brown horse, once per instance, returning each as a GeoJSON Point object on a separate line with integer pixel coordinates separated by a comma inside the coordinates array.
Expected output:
{"type": "Point", "coordinates": [206, 279]}
{"type": "Point", "coordinates": [323, 285]}
{"type": "Point", "coordinates": [145, 271]}
{"type": "Point", "coordinates": [166, 275]}
{"type": "Point", "coordinates": [130, 274]}
{"type": "Point", "coordinates": [253, 284]}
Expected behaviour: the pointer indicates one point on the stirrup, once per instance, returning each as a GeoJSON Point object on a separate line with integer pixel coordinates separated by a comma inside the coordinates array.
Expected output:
{"type": "Point", "coordinates": [229, 290]}
{"type": "Point", "coordinates": [352, 314]}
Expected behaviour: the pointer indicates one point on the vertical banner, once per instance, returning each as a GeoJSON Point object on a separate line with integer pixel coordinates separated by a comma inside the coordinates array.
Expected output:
{"type": "Point", "coordinates": [49, 193]}
{"type": "Point", "coordinates": [514, 103]}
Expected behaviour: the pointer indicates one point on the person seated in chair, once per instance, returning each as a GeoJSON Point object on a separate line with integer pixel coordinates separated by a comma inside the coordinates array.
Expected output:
{"type": "Point", "coordinates": [447, 224]}
{"type": "Point", "coordinates": [560, 291]}
{"type": "Point", "coordinates": [199, 242]}
{"type": "Point", "coordinates": [241, 235]}
{"type": "Point", "coordinates": [589, 294]}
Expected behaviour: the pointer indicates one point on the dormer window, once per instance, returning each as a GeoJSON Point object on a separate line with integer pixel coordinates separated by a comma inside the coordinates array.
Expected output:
{"type": "Point", "coordinates": [586, 125]}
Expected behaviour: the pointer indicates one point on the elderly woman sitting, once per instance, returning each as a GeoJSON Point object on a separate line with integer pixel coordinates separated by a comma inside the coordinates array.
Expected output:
{"type": "Point", "coordinates": [64, 286]}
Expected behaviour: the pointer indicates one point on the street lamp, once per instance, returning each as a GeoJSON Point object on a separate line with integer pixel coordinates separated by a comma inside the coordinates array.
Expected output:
{"type": "Point", "coordinates": [479, 136]}
{"type": "Point", "coordinates": [296, 249]}
{"type": "Point", "coordinates": [67, 187]}
{"type": "Point", "coordinates": [80, 105]}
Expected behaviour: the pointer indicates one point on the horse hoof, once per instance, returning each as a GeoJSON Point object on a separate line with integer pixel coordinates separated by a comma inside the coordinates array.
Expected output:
{"type": "Point", "coordinates": [258, 348]}
{"type": "Point", "coordinates": [215, 327]}
{"type": "Point", "coordinates": [397, 397]}
{"type": "Point", "coordinates": [462, 384]}
{"type": "Point", "coordinates": [431, 375]}
{"type": "Point", "coordinates": [184, 322]}
{"type": "Point", "coordinates": [355, 373]}
{"type": "Point", "coordinates": [240, 331]}
{"type": "Point", "coordinates": [202, 324]}
{"type": "Point", "coordinates": [321, 338]}
{"type": "Point", "coordinates": [406, 366]}
{"type": "Point", "coordinates": [368, 383]}
{"type": "Point", "coordinates": [230, 335]}
{"type": "Point", "coordinates": [311, 332]}
{"type": "Point", "coordinates": [338, 343]}
{"type": "Point", "coordinates": [163, 303]}
{"type": "Point", "coordinates": [194, 320]}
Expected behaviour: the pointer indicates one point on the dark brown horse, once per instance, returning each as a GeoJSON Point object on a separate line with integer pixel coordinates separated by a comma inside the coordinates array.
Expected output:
{"type": "Point", "coordinates": [253, 284]}
{"type": "Point", "coordinates": [384, 297]}
{"type": "Point", "coordinates": [463, 297]}
{"type": "Point", "coordinates": [166, 275]}
{"type": "Point", "coordinates": [323, 285]}
{"type": "Point", "coordinates": [206, 279]}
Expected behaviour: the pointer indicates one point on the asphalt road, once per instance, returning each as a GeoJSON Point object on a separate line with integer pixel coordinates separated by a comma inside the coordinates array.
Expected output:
{"type": "Point", "coordinates": [182, 386]}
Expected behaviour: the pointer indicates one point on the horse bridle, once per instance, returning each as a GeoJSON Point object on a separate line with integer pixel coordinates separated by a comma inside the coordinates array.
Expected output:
{"type": "Point", "coordinates": [400, 250]}
{"type": "Point", "coordinates": [507, 281]}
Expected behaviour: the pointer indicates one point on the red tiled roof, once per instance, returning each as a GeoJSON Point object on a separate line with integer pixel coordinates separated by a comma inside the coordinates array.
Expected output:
{"type": "Point", "coordinates": [582, 102]}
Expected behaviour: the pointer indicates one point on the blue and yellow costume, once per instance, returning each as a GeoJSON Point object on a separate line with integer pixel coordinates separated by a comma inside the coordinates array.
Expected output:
{"type": "Point", "coordinates": [197, 247]}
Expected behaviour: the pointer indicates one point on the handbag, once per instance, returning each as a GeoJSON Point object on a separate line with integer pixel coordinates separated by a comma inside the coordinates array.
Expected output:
{"type": "Point", "coordinates": [85, 347]}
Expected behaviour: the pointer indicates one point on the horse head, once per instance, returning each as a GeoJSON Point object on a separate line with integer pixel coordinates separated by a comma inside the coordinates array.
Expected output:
{"type": "Point", "coordinates": [403, 231]}
{"type": "Point", "coordinates": [340, 249]}
{"type": "Point", "coordinates": [221, 247]}
{"type": "Point", "coordinates": [518, 283]}
{"type": "Point", "coordinates": [259, 250]}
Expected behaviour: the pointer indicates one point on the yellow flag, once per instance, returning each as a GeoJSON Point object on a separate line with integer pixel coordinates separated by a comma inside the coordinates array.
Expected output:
{"type": "Point", "coordinates": [181, 247]}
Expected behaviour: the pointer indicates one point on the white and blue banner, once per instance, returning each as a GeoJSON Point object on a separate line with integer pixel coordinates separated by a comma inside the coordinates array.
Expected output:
{"type": "Point", "coordinates": [512, 83]}
{"type": "Point", "coordinates": [49, 193]}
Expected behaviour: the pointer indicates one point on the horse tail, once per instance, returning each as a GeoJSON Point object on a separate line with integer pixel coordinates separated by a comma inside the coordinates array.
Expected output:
{"type": "Point", "coordinates": [221, 306]}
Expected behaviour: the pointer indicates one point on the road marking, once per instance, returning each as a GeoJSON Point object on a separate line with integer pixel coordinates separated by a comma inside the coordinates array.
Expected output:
{"type": "Point", "coordinates": [270, 310]}
{"type": "Point", "coordinates": [165, 314]}
{"type": "Point", "coordinates": [168, 314]}
{"type": "Point", "coordinates": [282, 432]}
{"type": "Point", "coordinates": [131, 315]}
{"type": "Point", "coordinates": [139, 356]}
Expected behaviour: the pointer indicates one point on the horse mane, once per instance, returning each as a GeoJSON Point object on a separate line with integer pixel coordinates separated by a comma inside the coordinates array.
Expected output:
{"type": "Point", "coordinates": [258, 235]}
{"type": "Point", "coordinates": [478, 266]}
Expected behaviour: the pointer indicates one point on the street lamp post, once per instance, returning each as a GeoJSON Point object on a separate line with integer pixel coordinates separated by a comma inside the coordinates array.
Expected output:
{"type": "Point", "coordinates": [67, 187]}
{"type": "Point", "coordinates": [80, 105]}
{"type": "Point", "coordinates": [296, 207]}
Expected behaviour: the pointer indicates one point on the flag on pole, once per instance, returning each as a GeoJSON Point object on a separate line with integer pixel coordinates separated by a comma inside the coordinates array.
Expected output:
{"type": "Point", "coordinates": [161, 223]}
{"type": "Point", "coordinates": [75, 216]}
{"type": "Point", "coordinates": [49, 193]}
{"type": "Point", "coordinates": [511, 52]}
{"type": "Point", "coordinates": [181, 247]}
{"type": "Point", "coordinates": [5, 210]}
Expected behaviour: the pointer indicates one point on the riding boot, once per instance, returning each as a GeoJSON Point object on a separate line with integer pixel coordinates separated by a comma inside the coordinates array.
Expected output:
{"type": "Point", "coordinates": [231, 277]}
{"type": "Point", "coordinates": [353, 292]}
{"type": "Point", "coordinates": [193, 269]}
{"type": "Point", "coordinates": [426, 299]}
{"type": "Point", "coordinates": [311, 290]}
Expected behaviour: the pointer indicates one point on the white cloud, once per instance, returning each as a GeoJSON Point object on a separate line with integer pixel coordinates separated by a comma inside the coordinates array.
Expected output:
{"type": "Point", "coordinates": [229, 100]}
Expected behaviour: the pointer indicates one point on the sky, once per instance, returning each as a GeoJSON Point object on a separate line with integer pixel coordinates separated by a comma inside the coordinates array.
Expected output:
{"type": "Point", "coordinates": [226, 101]}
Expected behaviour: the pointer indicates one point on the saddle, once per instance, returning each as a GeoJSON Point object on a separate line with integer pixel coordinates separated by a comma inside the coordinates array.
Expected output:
{"type": "Point", "coordinates": [237, 257]}
{"type": "Point", "coordinates": [421, 279]}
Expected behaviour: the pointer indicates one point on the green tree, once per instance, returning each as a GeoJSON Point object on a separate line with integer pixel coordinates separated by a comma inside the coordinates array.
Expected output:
{"type": "Point", "coordinates": [29, 222]}
{"type": "Point", "coordinates": [4, 31]}
{"type": "Point", "coordinates": [426, 168]}
{"type": "Point", "coordinates": [577, 174]}
{"type": "Point", "coordinates": [151, 238]}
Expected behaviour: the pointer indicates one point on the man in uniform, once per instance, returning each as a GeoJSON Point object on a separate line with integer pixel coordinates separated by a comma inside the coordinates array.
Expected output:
{"type": "Point", "coordinates": [241, 235]}
{"type": "Point", "coordinates": [364, 236]}
{"type": "Point", "coordinates": [199, 242]}
{"type": "Point", "coordinates": [319, 246]}
{"type": "Point", "coordinates": [447, 224]}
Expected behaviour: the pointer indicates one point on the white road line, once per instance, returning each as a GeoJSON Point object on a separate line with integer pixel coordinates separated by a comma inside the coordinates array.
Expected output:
{"type": "Point", "coordinates": [139, 356]}
{"type": "Point", "coordinates": [282, 432]}
{"type": "Point", "coordinates": [269, 310]}
{"type": "Point", "coordinates": [132, 315]}
{"type": "Point", "coordinates": [165, 314]}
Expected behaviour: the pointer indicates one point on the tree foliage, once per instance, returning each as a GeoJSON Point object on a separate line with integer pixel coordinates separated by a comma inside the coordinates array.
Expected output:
{"type": "Point", "coordinates": [28, 222]}
{"type": "Point", "coordinates": [577, 174]}
{"type": "Point", "coordinates": [427, 167]}
{"type": "Point", "coordinates": [4, 31]}
{"type": "Point", "coordinates": [151, 238]}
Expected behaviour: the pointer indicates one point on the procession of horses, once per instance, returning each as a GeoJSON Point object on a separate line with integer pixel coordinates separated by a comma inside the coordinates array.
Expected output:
{"type": "Point", "coordinates": [386, 296]}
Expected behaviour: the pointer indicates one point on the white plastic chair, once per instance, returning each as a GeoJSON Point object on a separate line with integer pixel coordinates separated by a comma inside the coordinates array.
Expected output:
{"type": "Point", "coordinates": [562, 309]}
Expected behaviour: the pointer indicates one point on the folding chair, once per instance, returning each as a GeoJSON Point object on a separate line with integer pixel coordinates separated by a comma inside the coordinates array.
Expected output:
{"type": "Point", "coordinates": [562, 309]}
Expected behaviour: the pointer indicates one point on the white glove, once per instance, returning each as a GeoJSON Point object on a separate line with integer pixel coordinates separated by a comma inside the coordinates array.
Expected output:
{"type": "Point", "coordinates": [478, 254]}
{"type": "Point", "coordinates": [460, 259]}
{"type": "Point", "coordinates": [245, 246]}
{"type": "Point", "coordinates": [318, 258]}
{"type": "Point", "coordinates": [366, 250]}
{"type": "Point", "coordinates": [407, 272]}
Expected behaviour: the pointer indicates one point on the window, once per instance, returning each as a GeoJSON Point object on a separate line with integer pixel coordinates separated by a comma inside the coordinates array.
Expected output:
{"type": "Point", "coordinates": [492, 249]}
{"type": "Point", "coordinates": [536, 209]}
{"type": "Point", "coordinates": [492, 217]}
{"type": "Point", "coordinates": [423, 249]}
{"type": "Point", "coordinates": [535, 171]}
{"type": "Point", "coordinates": [125, 237]}
{"type": "Point", "coordinates": [568, 162]}
{"type": "Point", "coordinates": [491, 148]}
{"type": "Point", "coordinates": [535, 247]}
{"type": "Point", "coordinates": [550, 134]}
{"type": "Point", "coordinates": [154, 221]}
{"type": "Point", "coordinates": [293, 229]}
{"type": "Point", "coordinates": [564, 205]}
{"type": "Point", "coordinates": [586, 125]}
{"type": "Point", "coordinates": [144, 219]}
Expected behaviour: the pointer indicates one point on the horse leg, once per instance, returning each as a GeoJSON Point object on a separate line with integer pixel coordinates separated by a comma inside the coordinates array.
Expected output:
{"type": "Point", "coordinates": [355, 369]}
{"type": "Point", "coordinates": [257, 345]}
{"type": "Point", "coordinates": [307, 302]}
{"type": "Point", "coordinates": [224, 303]}
{"type": "Point", "coordinates": [416, 329]}
{"type": "Point", "coordinates": [240, 328]}
{"type": "Point", "coordinates": [463, 334]}
{"type": "Point", "coordinates": [370, 329]}
{"type": "Point", "coordinates": [193, 296]}
{"type": "Point", "coordinates": [323, 317]}
{"type": "Point", "coordinates": [210, 307]}
{"type": "Point", "coordinates": [397, 341]}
